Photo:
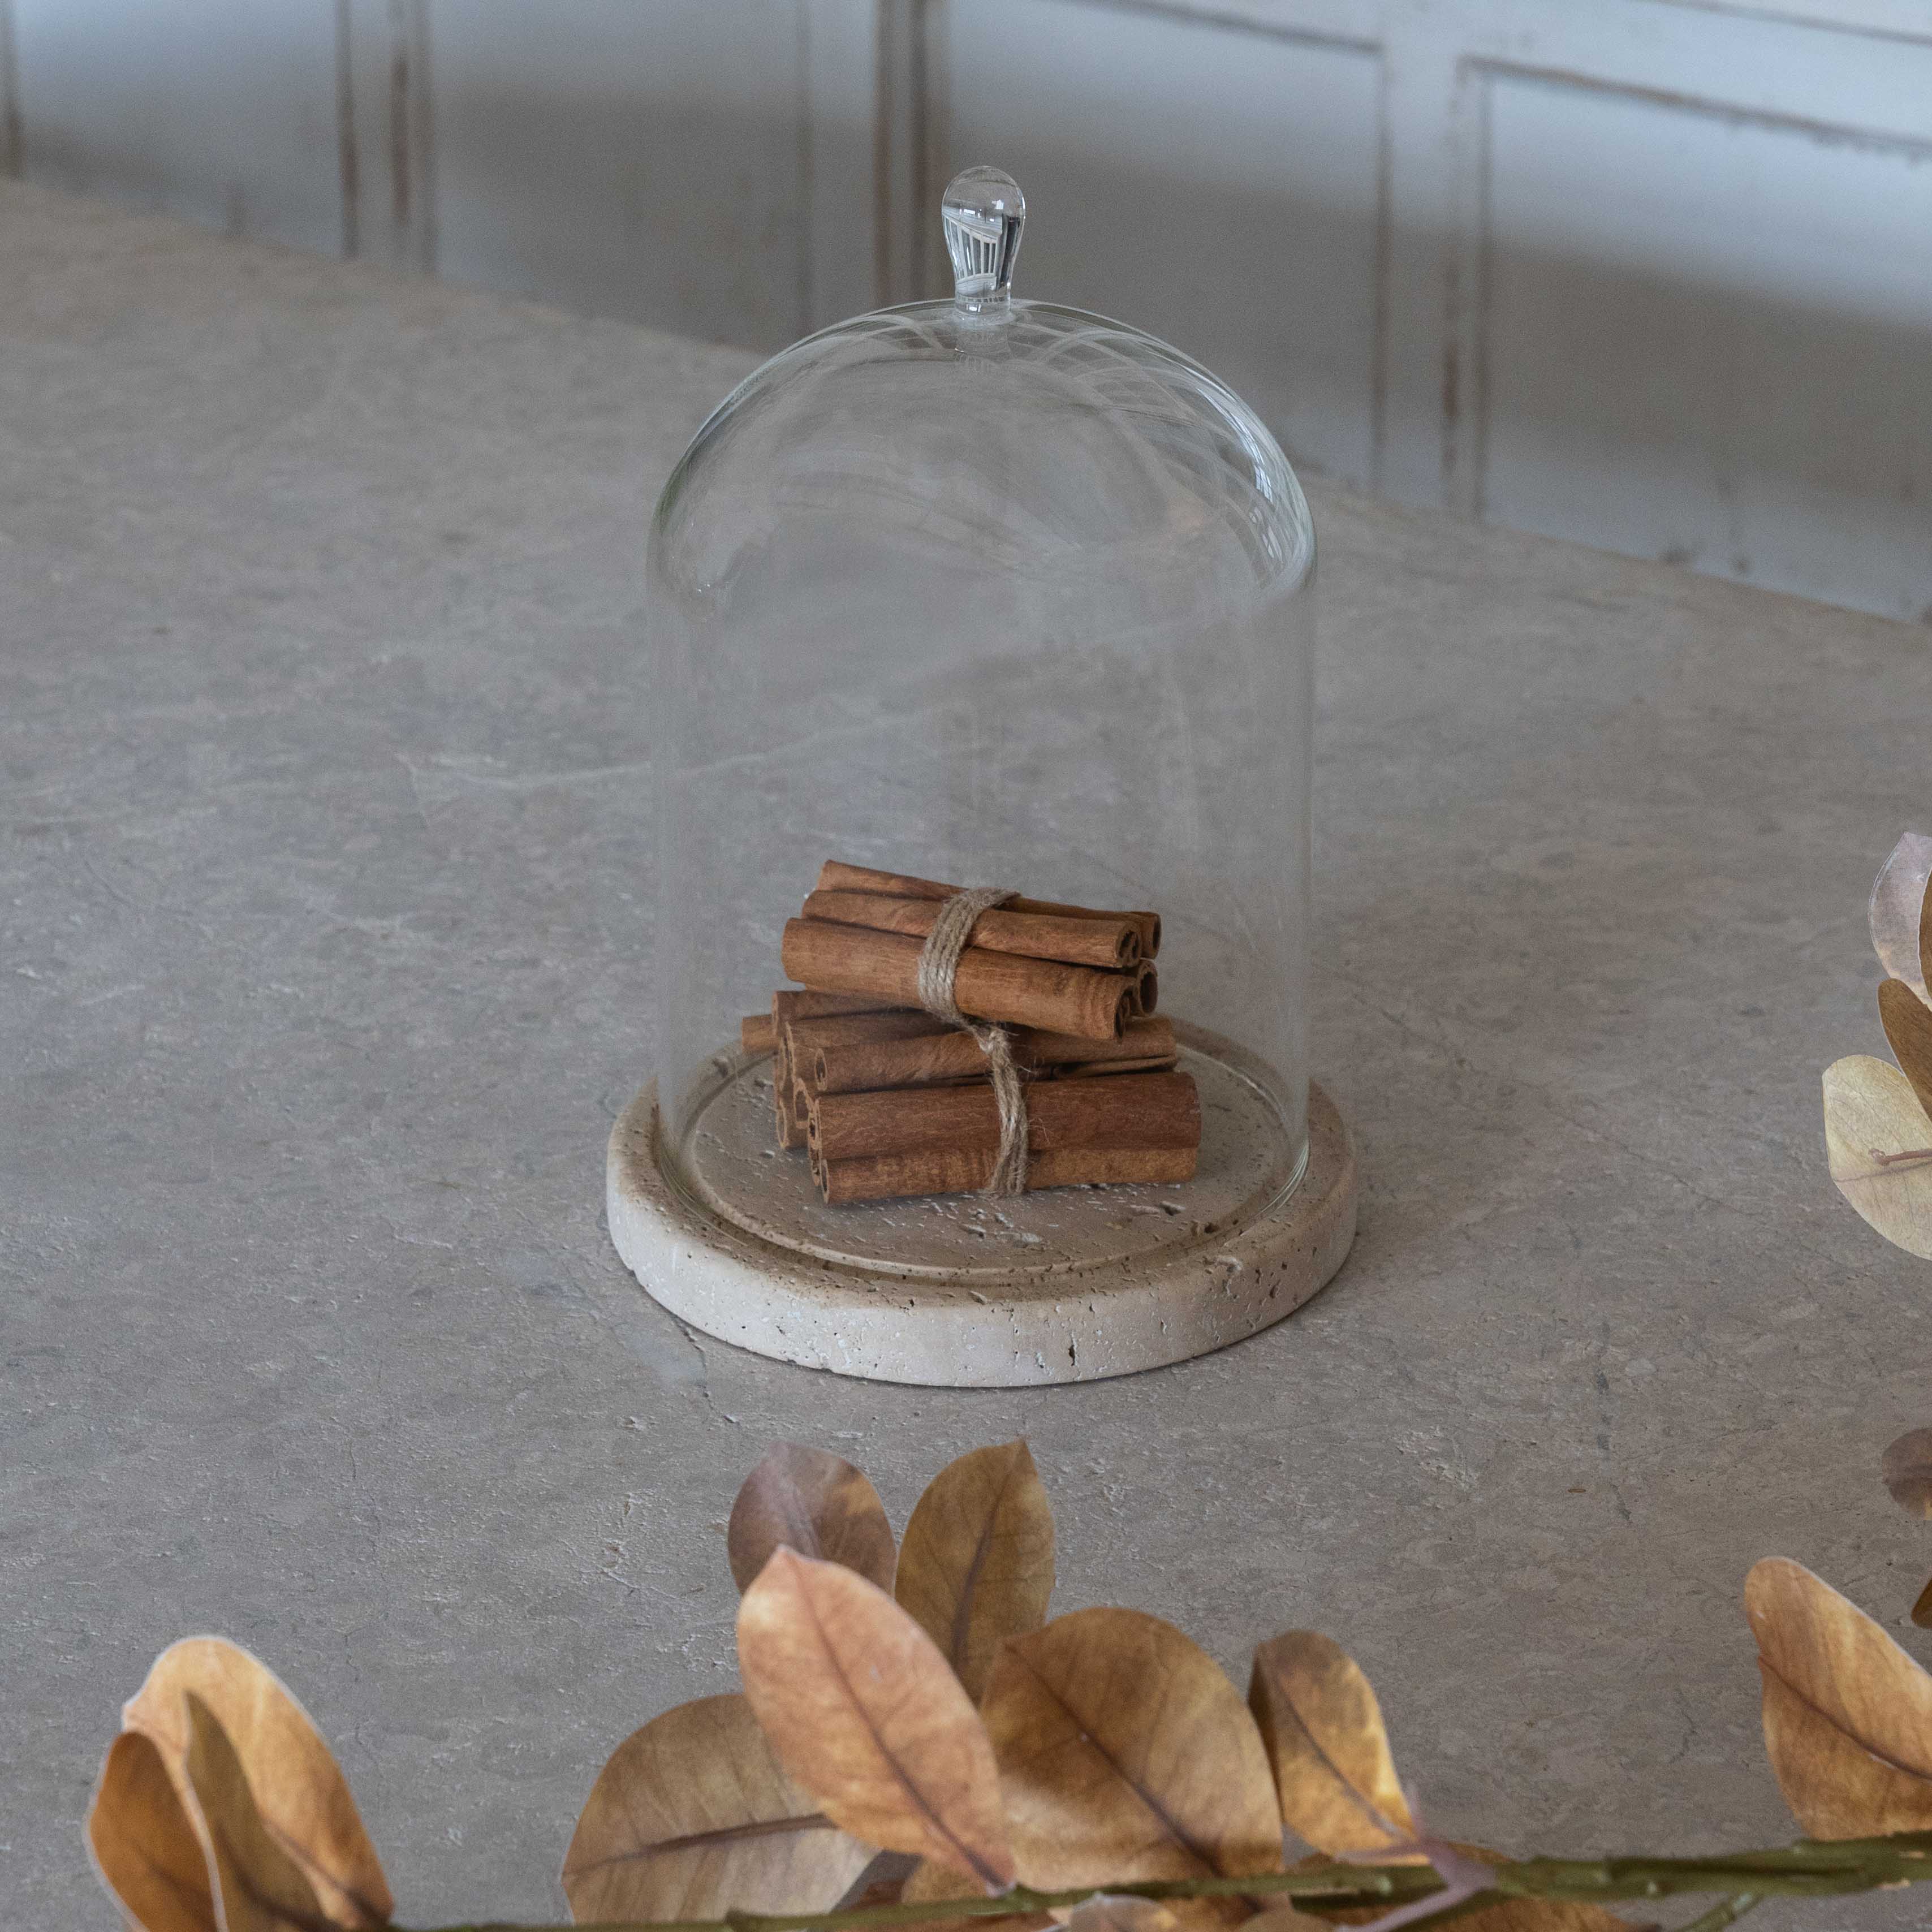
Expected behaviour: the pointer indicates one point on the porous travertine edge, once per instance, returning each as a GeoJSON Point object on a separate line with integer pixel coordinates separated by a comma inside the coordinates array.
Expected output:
{"type": "Point", "coordinates": [1082, 1326]}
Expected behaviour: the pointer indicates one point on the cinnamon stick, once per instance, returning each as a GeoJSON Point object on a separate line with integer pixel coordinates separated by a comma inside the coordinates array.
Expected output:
{"type": "Point", "coordinates": [856, 1065]}
{"type": "Point", "coordinates": [1112, 942]}
{"type": "Point", "coordinates": [799, 1025]}
{"type": "Point", "coordinates": [956, 1170]}
{"type": "Point", "coordinates": [1159, 1063]}
{"type": "Point", "coordinates": [1042, 993]}
{"type": "Point", "coordinates": [792, 1004]}
{"type": "Point", "coordinates": [1145, 994]}
{"type": "Point", "coordinates": [757, 1033]}
{"type": "Point", "coordinates": [804, 1038]}
{"type": "Point", "coordinates": [1138, 1110]}
{"type": "Point", "coordinates": [836, 876]}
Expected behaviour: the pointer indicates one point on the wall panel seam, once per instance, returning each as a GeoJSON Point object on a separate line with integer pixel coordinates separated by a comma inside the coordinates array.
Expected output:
{"type": "Point", "coordinates": [348, 156]}
{"type": "Point", "coordinates": [1236, 22]}
{"type": "Point", "coordinates": [882, 51]}
{"type": "Point", "coordinates": [1479, 371]}
{"type": "Point", "coordinates": [1833, 133]}
{"type": "Point", "coordinates": [1862, 30]}
{"type": "Point", "coordinates": [12, 143]}
{"type": "Point", "coordinates": [1381, 276]}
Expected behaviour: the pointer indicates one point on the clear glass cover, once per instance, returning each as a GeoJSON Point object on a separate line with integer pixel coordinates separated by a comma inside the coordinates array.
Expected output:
{"type": "Point", "coordinates": [997, 593]}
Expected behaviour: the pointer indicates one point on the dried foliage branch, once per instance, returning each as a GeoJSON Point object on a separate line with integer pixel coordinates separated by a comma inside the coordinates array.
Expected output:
{"type": "Point", "coordinates": [1878, 1118]}
{"type": "Point", "coordinates": [1108, 1777]}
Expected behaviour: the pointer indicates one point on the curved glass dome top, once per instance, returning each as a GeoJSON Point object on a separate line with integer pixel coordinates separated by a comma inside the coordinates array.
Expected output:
{"type": "Point", "coordinates": [1033, 440]}
{"type": "Point", "coordinates": [994, 592]}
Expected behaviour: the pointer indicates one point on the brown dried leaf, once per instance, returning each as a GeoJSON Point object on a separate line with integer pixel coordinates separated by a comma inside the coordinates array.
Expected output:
{"type": "Point", "coordinates": [694, 1816]}
{"type": "Point", "coordinates": [1283, 1917]}
{"type": "Point", "coordinates": [929, 1882]}
{"type": "Point", "coordinates": [1326, 1740]}
{"type": "Point", "coordinates": [1847, 1714]}
{"type": "Point", "coordinates": [1126, 1754]}
{"type": "Point", "coordinates": [1535, 1915]}
{"type": "Point", "coordinates": [1897, 911]}
{"type": "Point", "coordinates": [1907, 1468]}
{"type": "Point", "coordinates": [145, 1845]}
{"type": "Point", "coordinates": [1878, 1140]}
{"type": "Point", "coordinates": [303, 1797]}
{"type": "Point", "coordinates": [1921, 1610]}
{"type": "Point", "coordinates": [1121, 1911]}
{"type": "Point", "coordinates": [1907, 1021]}
{"type": "Point", "coordinates": [813, 1502]}
{"type": "Point", "coordinates": [882, 1883]}
{"type": "Point", "coordinates": [976, 1565]}
{"type": "Point", "coordinates": [261, 1888]}
{"type": "Point", "coordinates": [865, 1712]}
{"type": "Point", "coordinates": [1542, 1915]}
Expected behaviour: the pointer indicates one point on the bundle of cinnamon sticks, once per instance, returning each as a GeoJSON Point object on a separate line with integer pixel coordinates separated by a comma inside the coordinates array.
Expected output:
{"type": "Point", "coordinates": [888, 1099]}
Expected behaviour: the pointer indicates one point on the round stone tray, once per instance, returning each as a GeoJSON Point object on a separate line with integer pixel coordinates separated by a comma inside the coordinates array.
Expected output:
{"type": "Point", "coordinates": [1069, 1284]}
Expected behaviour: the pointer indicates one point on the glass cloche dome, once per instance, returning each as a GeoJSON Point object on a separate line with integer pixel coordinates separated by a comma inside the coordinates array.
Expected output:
{"type": "Point", "coordinates": [992, 593]}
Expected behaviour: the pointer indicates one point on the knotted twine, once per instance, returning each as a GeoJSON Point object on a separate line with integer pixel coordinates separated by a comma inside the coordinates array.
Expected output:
{"type": "Point", "coordinates": [938, 966]}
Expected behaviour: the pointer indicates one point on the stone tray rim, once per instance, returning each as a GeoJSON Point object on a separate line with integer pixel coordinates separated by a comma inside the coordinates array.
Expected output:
{"type": "Point", "coordinates": [973, 1331]}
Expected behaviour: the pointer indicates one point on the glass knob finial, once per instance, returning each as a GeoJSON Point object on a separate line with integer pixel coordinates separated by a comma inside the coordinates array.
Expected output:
{"type": "Point", "coordinates": [984, 212]}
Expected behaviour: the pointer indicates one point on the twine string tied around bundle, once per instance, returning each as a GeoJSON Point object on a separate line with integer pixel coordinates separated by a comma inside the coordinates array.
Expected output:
{"type": "Point", "coordinates": [938, 967]}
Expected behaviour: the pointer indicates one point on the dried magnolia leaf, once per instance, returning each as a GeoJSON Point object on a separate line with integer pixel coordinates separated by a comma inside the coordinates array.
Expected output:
{"type": "Point", "coordinates": [145, 1845]}
{"type": "Point", "coordinates": [303, 1797]}
{"type": "Point", "coordinates": [1847, 1714]}
{"type": "Point", "coordinates": [694, 1816]}
{"type": "Point", "coordinates": [1878, 1140]}
{"type": "Point", "coordinates": [1535, 1915]}
{"type": "Point", "coordinates": [1283, 1917]}
{"type": "Point", "coordinates": [1542, 1915]}
{"type": "Point", "coordinates": [865, 1712]}
{"type": "Point", "coordinates": [1907, 1468]}
{"type": "Point", "coordinates": [1921, 1611]}
{"type": "Point", "coordinates": [1907, 1021]}
{"type": "Point", "coordinates": [260, 1887]}
{"type": "Point", "coordinates": [976, 1565]}
{"type": "Point", "coordinates": [1121, 1911]}
{"type": "Point", "coordinates": [815, 1503]}
{"type": "Point", "coordinates": [1897, 912]}
{"type": "Point", "coordinates": [930, 1882]}
{"type": "Point", "coordinates": [1126, 1754]}
{"type": "Point", "coordinates": [882, 1883]}
{"type": "Point", "coordinates": [1325, 1738]}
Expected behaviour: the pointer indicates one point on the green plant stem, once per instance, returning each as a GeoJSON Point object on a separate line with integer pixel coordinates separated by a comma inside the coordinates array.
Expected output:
{"type": "Point", "coordinates": [1811, 1869]}
{"type": "Point", "coordinates": [1725, 1912]}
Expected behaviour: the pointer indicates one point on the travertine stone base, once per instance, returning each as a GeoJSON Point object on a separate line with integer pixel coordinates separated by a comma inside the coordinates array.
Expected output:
{"type": "Point", "coordinates": [1068, 1285]}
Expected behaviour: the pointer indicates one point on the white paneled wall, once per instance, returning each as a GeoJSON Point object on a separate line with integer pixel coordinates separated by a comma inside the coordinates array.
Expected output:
{"type": "Point", "coordinates": [1215, 183]}
{"type": "Point", "coordinates": [223, 110]}
{"type": "Point", "coordinates": [627, 157]}
{"type": "Point", "coordinates": [1780, 272]}
{"type": "Point", "coordinates": [1655, 274]}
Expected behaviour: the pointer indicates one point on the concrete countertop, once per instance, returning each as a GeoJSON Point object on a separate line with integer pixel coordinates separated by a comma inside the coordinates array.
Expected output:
{"type": "Point", "coordinates": [326, 897]}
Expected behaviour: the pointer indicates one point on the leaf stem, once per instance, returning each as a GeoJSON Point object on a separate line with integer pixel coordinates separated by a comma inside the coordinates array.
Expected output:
{"type": "Point", "coordinates": [1812, 1868]}
{"type": "Point", "coordinates": [1725, 1912]}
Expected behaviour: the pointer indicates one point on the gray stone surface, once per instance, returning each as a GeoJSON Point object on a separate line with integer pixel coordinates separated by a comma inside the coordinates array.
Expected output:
{"type": "Point", "coordinates": [326, 895]}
